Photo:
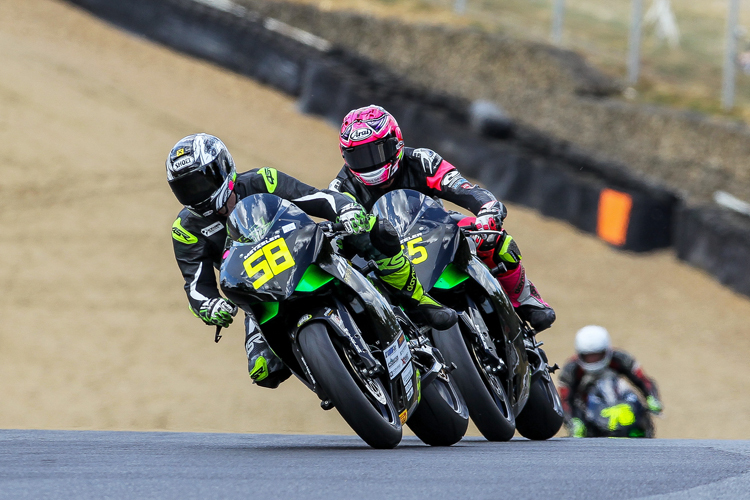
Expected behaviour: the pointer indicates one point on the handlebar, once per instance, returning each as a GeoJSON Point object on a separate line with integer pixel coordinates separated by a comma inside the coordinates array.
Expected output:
{"type": "Point", "coordinates": [472, 229]}
{"type": "Point", "coordinates": [332, 228]}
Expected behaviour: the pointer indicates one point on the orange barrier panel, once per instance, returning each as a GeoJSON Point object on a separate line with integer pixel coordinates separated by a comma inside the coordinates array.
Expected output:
{"type": "Point", "coordinates": [614, 216]}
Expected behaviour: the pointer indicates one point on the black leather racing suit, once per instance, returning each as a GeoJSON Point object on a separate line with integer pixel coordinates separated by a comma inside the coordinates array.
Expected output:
{"type": "Point", "coordinates": [422, 170]}
{"type": "Point", "coordinates": [574, 382]}
{"type": "Point", "coordinates": [426, 171]}
{"type": "Point", "coordinates": [199, 243]}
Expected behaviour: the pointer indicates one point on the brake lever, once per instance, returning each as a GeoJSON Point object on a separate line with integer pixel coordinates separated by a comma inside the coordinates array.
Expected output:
{"type": "Point", "coordinates": [217, 337]}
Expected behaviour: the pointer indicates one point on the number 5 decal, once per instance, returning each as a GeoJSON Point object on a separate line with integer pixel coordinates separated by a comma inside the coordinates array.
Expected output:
{"type": "Point", "coordinates": [413, 251]}
{"type": "Point", "coordinates": [275, 258]}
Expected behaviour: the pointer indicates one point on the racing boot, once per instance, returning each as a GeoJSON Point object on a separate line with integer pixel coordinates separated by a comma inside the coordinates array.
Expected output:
{"type": "Point", "coordinates": [265, 368]}
{"type": "Point", "coordinates": [398, 273]}
{"type": "Point", "coordinates": [523, 294]}
{"type": "Point", "coordinates": [528, 303]}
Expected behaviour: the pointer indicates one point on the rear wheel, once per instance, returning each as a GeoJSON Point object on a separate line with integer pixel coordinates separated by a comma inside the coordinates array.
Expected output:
{"type": "Point", "coordinates": [366, 407]}
{"type": "Point", "coordinates": [441, 419]}
{"type": "Point", "coordinates": [483, 392]}
{"type": "Point", "coordinates": [542, 416]}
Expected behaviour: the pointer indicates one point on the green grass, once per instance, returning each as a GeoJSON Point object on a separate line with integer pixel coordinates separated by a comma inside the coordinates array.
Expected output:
{"type": "Point", "coordinates": [688, 77]}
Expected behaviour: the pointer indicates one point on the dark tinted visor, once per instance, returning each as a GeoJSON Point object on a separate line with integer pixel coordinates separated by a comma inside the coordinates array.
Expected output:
{"type": "Point", "coordinates": [372, 155]}
{"type": "Point", "coordinates": [199, 185]}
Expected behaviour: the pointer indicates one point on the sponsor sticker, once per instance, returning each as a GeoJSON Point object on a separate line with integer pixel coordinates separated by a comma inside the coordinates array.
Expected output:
{"type": "Point", "coordinates": [406, 379]}
{"type": "Point", "coordinates": [212, 229]}
{"type": "Point", "coordinates": [360, 134]}
{"type": "Point", "coordinates": [403, 416]}
{"type": "Point", "coordinates": [397, 356]}
{"type": "Point", "coordinates": [289, 227]}
{"type": "Point", "coordinates": [183, 162]}
{"type": "Point", "coordinates": [450, 177]}
{"type": "Point", "coordinates": [304, 319]}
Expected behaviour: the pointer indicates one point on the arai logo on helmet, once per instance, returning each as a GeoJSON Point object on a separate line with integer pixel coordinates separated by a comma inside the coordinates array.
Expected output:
{"type": "Point", "coordinates": [360, 134]}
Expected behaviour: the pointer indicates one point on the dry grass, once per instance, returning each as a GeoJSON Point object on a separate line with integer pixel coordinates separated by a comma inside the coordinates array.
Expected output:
{"type": "Point", "coordinates": [688, 77]}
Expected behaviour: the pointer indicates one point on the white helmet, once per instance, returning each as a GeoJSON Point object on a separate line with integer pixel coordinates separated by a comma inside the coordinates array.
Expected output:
{"type": "Point", "coordinates": [593, 339]}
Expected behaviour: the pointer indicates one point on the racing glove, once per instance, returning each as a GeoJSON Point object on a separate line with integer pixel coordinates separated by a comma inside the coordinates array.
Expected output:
{"type": "Point", "coordinates": [355, 218]}
{"type": "Point", "coordinates": [577, 428]}
{"type": "Point", "coordinates": [654, 405]}
{"type": "Point", "coordinates": [218, 311]}
{"type": "Point", "coordinates": [489, 218]}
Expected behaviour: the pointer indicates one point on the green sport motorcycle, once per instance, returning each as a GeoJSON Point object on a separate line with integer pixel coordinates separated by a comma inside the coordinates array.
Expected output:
{"type": "Point", "coordinates": [501, 370]}
{"type": "Point", "coordinates": [334, 330]}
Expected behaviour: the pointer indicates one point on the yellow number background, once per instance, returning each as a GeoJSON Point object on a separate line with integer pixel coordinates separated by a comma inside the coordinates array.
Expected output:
{"type": "Point", "coordinates": [275, 259]}
{"type": "Point", "coordinates": [421, 251]}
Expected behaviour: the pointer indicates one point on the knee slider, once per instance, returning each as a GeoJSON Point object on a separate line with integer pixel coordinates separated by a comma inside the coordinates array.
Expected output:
{"type": "Point", "coordinates": [508, 250]}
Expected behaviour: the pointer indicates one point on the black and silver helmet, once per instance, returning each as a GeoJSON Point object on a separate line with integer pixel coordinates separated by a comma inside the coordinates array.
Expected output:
{"type": "Point", "coordinates": [201, 173]}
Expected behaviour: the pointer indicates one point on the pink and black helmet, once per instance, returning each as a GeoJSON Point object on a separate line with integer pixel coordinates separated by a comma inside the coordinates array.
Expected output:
{"type": "Point", "coordinates": [371, 144]}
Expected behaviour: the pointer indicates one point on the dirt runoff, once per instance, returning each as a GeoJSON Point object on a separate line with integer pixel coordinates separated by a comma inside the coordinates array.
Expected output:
{"type": "Point", "coordinates": [95, 328]}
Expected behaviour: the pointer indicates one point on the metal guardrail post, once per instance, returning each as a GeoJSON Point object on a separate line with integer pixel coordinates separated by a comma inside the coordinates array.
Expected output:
{"type": "Point", "coordinates": [634, 43]}
{"type": "Point", "coordinates": [558, 13]}
{"type": "Point", "coordinates": [730, 57]}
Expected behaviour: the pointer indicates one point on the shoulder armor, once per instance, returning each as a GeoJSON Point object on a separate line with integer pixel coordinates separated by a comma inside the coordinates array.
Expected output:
{"type": "Point", "coordinates": [270, 177]}
{"type": "Point", "coordinates": [181, 234]}
{"type": "Point", "coordinates": [430, 160]}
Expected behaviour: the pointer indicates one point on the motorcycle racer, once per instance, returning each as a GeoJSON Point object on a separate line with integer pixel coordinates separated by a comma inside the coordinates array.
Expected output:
{"type": "Point", "coordinates": [594, 355]}
{"type": "Point", "coordinates": [202, 175]}
{"type": "Point", "coordinates": [376, 162]}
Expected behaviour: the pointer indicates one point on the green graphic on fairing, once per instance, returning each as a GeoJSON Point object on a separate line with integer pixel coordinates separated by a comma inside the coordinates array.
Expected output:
{"type": "Point", "coordinates": [313, 279]}
{"type": "Point", "coordinates": [267, 311]}
{"type": "Point", "coordinates": [451, 277]}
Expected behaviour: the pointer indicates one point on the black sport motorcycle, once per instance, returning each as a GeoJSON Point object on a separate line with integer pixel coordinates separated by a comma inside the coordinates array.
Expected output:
{"type": "Point", "coordinates": [613, 409]}
{"type": "Point", "coordinates": [501, 370]}
{"type": "Point", "coordinates": [333, 329]}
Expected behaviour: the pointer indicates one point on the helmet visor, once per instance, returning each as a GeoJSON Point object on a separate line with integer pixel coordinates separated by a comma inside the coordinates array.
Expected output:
{"type": "Point", "coordinates": [372, 155]}
{"type": "Point", "coordinates": [197, 187]}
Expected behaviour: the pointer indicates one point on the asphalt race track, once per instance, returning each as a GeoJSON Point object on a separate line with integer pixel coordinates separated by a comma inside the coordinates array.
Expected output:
{"type": "Point", "coordinates": [93, 464]}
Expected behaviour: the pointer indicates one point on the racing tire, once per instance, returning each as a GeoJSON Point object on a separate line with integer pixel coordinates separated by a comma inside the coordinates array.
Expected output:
{"type": "Point", "coordinates": [441, 419]}
{"type": "Point", "coordinates": [542, 417]}
{"type": "Point", "coordinates": [378, 427]}
{"type": "Point", "coordinates": [491, 413]}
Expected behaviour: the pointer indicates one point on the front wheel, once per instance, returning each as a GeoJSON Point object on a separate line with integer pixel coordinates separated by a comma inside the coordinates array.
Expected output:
{"type": "Point", "coordinates": [441, 419]}
{"type": "Point", "coordinates": [369, 410]}
{"type": "Point", "coordinates": [483, 392]}
{"type": "Point", "coordinates": [542, 416]}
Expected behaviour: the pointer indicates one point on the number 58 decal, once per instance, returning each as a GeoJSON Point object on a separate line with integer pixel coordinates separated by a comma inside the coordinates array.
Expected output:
{"type": "Point", "coordinates": [416, 254]}
{"type": "Point", "coordinates": [271, 260]}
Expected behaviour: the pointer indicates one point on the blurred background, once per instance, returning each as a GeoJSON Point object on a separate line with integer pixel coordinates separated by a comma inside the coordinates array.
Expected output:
{"type": "Point", "coordinates": [683, 43]}
{"type": "Point", "coordinates": [95, 331]}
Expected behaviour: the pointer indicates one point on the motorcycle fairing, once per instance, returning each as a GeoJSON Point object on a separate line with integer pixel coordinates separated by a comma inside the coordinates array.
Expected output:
{"type": "Point", "coordinates": [379, 311]}
{"type": "Point", "coordinates": [269, 252]}
{"type": "Point", "coordinates": [313, 279]}
{"type": "Point", "coordinates": [451, 277]}
{"type": "Point", "coordinates": [613, 409]}
{"type": "Point", "coordinates": [428, 233]}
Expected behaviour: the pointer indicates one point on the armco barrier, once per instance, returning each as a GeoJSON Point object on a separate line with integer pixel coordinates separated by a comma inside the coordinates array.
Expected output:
{"type": "Point", "coordinates": [526, 167]}
{"type": "Point", "coordinates": [718, 241]}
